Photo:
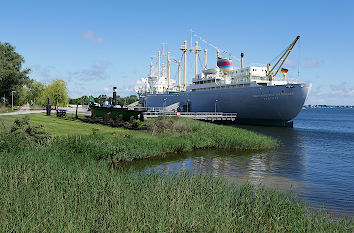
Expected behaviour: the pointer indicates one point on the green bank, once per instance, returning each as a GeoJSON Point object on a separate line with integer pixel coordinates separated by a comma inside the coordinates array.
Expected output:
{"type": "Point", "coordinates": [60, 185]}
{"type": "Point", "coordinates": [164, 136]}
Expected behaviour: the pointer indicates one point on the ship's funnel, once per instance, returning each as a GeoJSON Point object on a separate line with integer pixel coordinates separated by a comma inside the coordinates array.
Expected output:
{"type": "Point", "coordinates": [241, 61]}
{"type": "Point", "coordinates": [225, 64]}
{"type": "Point", "coordinates": [114, 96]}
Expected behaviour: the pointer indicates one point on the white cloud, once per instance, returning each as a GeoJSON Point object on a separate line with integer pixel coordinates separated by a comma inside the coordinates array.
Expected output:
{"type": "Point", "coordinates": [291, 63]}
{"type": "Point", "coordinates": [343, 90]}
{"type": "Point", "coordinates": [312, 62]}
{"type": "Point", "coordinates": [45, 73]}
{"type": "Point", "coordinates": [335, 94]}
{"type": "Point", "coordinates": [97, 71]}
{"type": "Point", "coordinates": [89, 35]}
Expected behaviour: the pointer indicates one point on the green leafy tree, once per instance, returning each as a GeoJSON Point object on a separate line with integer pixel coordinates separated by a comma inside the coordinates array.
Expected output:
{"type": "Point", "coordinates": [127, 100]}
{"type": "Point", "coordinates": [35, 89]}
{"type": "Point", "coordinates": [12, 76]}
{"type": "Point", "coordinates": [57, 92]}
{"type": "Point", "coordinates": [31, 92]}
{"type": "Point", "coordinates": [83, 100]}
{"type": "Point", "coordinates": [100, 99]}
{"type": "Point", "coordinates": [22, 95]}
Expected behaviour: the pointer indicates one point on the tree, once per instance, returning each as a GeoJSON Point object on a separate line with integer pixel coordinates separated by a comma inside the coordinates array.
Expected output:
{"type": "Point", "coordinates": [127, 100]}
{"type": "Point", "coordinates": [22, 95]}
{"type": "Point", "coordinates": [57, 92]}
{"type": "Point", "coordinates": [83, 100]}
{"type": "Point", "coordinates": [35, 89]}
{"type": "Point", "coordinates": [29, 93]}
{"type": "Point", "coordinates": [100, 99]}
{"type": "Point", "coordinates": [12, 76]}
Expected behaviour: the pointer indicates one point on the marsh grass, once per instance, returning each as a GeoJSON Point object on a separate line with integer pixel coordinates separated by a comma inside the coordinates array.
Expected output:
{"type": "Point", "coordinates": [68, 186]}
{"type": "Point", "coordinates": [181, 135]}
{"type": "Point", "coordinates": [43, 191]}
{"type": "Point", "coordinates": [164, 136]}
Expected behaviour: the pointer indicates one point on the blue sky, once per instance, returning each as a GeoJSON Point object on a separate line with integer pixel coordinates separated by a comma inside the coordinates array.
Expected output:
{"type": "Point", "coordinates": [95, 45]}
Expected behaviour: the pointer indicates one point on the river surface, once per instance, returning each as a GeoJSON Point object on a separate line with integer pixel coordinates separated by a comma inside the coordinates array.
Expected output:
{"type": "Point", "coordinates": [315, 159]}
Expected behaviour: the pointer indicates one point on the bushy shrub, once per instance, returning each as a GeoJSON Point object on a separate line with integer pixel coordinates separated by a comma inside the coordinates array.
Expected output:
{"type": "Point", "coordinates": [22, 133]}
{"type": "Point", "coordinates": [167, 126]}
{"type": "Point", "coordinates": [138, 124]}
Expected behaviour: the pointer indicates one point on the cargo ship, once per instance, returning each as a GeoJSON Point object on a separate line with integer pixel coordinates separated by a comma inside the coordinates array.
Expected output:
{"type": "Point", "coordinates": [255, 93]}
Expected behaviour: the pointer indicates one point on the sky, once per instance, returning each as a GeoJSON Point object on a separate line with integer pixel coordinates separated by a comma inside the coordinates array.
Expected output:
{"type": "Point", "coordinates": [95, 45]}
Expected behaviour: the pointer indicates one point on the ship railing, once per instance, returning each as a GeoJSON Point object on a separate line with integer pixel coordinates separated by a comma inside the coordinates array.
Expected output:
{"type": "Point", "coordinates": [208, 116]}
{"type": "Point", "coordinates": [156, 109]}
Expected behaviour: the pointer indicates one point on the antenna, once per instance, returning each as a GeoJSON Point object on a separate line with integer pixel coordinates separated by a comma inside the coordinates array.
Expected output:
{"type": "Point", "coordinates": [191, 31]}
{"type": "Point", "coordinates": [163, 54]}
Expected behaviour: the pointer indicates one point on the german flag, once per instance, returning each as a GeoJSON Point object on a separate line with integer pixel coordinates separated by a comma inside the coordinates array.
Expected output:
{"type": "Point", "coordinates": [284, 71]}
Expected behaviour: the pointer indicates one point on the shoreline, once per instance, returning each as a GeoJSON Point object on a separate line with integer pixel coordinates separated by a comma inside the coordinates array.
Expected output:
{"type": "Point", "coordinates": [69, 171]}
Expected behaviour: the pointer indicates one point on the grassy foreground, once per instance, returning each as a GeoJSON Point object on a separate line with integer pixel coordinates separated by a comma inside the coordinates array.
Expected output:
{"type": "Point", "coordinates": [165, 136]}
{"type": "Point", "coordinates": [46, 191]}
{"type": "Point", "coordinates": [65, 184]}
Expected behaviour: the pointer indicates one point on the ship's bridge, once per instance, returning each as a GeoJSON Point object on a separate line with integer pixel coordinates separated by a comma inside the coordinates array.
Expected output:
{"type": "Point", "coordinates": [206, 78]}
{"type": "Point", "coordinates": [254, 71]}
{"type": "Point", "coordinates": [249, 74]}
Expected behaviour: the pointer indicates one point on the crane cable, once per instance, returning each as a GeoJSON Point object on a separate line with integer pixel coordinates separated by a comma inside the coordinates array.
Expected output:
{"type": "Point", "coordinates": [299, 59]}
{"type": "Point", "coordinates": [210, 44]}
{"type": "Point", "coordinates": [281, 53]}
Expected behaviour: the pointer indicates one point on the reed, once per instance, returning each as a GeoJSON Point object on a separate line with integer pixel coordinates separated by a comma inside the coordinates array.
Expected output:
{"type": "Point", "coordinates": [42, 191]}
{"type": "Point", "coordinates": [165, 136]}
{"type": "Point", "coordinates": [67, 185]}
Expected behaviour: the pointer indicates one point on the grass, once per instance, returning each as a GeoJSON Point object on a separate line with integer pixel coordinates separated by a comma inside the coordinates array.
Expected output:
{"type": "Point", "coordinates": [67, 184]}
{"type": "Point", "coordinates": [116, 144]}
{"type": "Point", "coordinates": [46, 190]}
{"type": "Point", "coordinates": [6, 109]}
{"type": "Point", "coordinates": [59, 127]}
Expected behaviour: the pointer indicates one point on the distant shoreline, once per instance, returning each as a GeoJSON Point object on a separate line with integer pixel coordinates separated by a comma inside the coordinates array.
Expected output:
{"type": "Point", "coordinates": [328, 106]}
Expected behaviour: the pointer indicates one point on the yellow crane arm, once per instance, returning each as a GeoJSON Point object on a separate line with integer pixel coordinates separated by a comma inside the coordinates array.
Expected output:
{"type": "Point", "coordinates": [286, 54]}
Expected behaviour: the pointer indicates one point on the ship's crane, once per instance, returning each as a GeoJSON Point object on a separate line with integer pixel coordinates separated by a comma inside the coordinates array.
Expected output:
{"type": "Point", "coordinates": [210, 44]}
{"type": "Point", "coordinates": [281, 60]}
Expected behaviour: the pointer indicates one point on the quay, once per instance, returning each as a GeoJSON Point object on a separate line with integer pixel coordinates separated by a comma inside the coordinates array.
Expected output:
{"type": "Point", "coordinates": [205, 116]}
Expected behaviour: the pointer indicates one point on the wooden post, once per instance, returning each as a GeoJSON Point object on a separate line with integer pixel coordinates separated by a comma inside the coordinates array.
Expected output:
{"type": "Point", "coordinates": [77, 106]}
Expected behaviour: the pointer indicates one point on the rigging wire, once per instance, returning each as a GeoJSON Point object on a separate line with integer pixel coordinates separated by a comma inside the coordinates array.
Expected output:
{"type": "Point", "coordinates": [278, 55]}
{"type": "Point", "coordinates": [210, 44]}
{"type": "Point", "coordinates": [299, 59]}
{"type": "Point", "coordinates": [200, 63]}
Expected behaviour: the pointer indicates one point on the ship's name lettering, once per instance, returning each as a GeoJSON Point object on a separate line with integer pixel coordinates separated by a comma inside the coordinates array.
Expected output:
{"type": "Point", "coordinates": [273, 95]}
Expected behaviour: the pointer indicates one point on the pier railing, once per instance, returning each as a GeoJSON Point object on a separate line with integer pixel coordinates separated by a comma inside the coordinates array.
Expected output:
{"type": "Point", "coordinates": [207, 116]}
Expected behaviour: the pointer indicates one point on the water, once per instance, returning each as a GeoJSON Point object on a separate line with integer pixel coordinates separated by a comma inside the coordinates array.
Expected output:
{"type": "Point", "coordinates": [315, 159]}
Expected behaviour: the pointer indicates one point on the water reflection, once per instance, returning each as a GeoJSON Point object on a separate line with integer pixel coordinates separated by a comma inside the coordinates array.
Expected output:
{"type": "Point", "coordinates": [313, 161]}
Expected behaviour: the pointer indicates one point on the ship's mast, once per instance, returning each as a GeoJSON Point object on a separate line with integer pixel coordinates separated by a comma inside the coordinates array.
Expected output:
{"type": "Point", "coordinates": [163, 54]}
{"type": "Point", "coordinates": [184, 49]}
{"type": "Point", "coordinates": [163, 68]}
{"type": "Point", "coordinates": [158, 62]}
{"type": "Point", "coordinates": [151, 69]}
{"type": "Point", "coordinates": [205, 58]}
{"type": "Point", "coordinates": [191, 31]}
{"type": "Point", "coordinates": [179, 75]}
{"type": "Point", "coordinates": [196, 51]}
{"type": "Point", "coordinates": [168, 70]}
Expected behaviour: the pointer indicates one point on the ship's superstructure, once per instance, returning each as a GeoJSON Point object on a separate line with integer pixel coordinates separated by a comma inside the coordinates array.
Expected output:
{"type": "Point", "coordinates": [255, 93]}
